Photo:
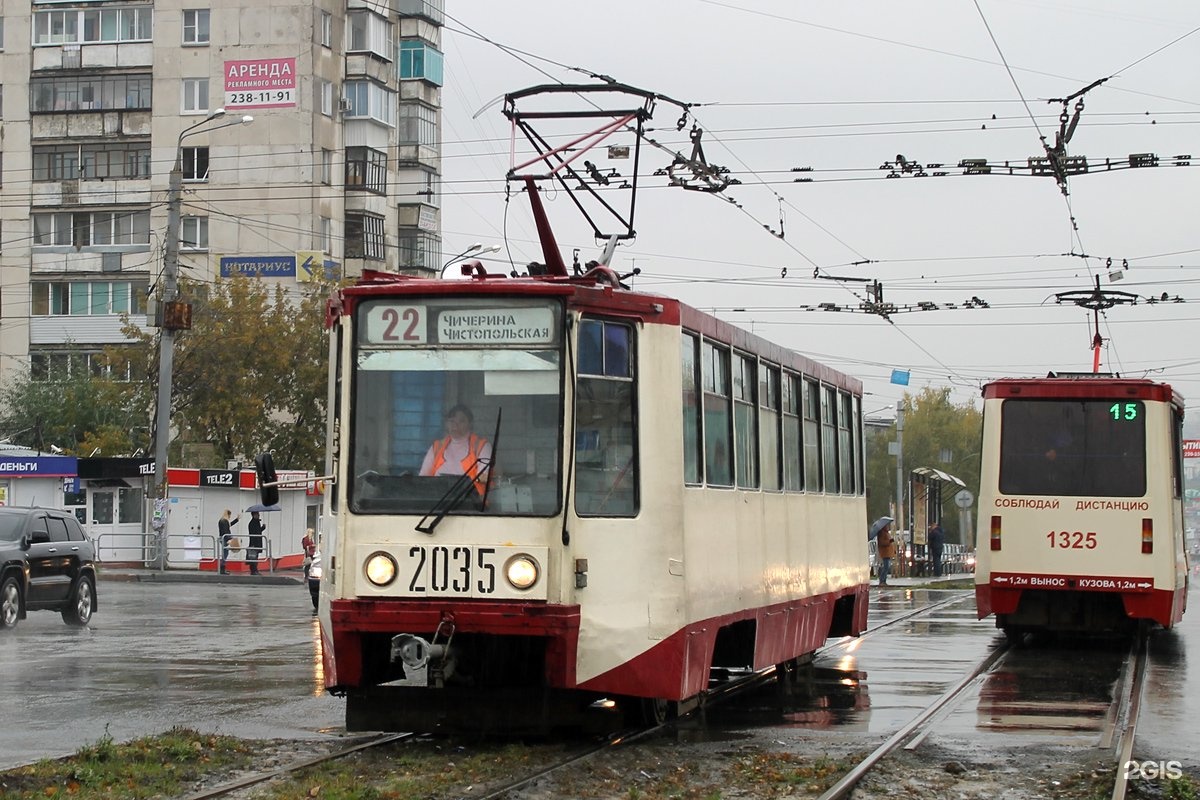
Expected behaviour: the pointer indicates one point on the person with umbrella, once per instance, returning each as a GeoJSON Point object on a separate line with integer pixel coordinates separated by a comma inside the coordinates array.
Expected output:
{"type": "Point", "coordinates": [886, 546]}
{"type": "Point", "coordinates": [254, 541]}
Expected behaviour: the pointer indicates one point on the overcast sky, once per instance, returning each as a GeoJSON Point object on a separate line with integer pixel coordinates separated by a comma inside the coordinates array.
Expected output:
{"type": "Point", "coordinates": [843, 89]}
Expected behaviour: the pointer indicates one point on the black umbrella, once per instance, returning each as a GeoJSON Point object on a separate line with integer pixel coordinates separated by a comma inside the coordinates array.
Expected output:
{"type": "Point", "coordinates": [261, 507]}
{"type": "Point", "coordinates": [877, 526]}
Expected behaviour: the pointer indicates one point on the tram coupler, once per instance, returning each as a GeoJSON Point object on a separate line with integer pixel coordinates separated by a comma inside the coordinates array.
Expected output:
{"type": "Point", "coordinates": [425, 663]}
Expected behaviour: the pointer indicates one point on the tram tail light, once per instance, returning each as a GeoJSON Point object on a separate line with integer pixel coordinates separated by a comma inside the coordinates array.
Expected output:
{"type": "Point", "coordinates": [1147, 535]}
{"type": "Point", "coordinates": [995, 532]}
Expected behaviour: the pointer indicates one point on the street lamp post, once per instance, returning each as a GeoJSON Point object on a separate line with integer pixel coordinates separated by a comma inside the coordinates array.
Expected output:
{"type": "Point", "coordinates": [477, 247]}
{"type": "Point", "coordinates": [169, 321]}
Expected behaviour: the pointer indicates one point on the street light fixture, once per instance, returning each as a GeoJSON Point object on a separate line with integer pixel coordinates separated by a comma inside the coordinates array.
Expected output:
{"type": "Point", "coordinates": [477, 247]}
{"type": "Point", "coordinates": [172, 317]}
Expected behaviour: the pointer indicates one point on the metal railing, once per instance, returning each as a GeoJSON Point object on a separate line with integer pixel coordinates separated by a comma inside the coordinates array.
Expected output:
{"type": "Point", "coordinates": [181, 549]}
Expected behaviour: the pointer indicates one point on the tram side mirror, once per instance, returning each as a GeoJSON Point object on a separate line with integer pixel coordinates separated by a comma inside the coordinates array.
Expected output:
{"type": "Point", "coordinates": [264, 465]}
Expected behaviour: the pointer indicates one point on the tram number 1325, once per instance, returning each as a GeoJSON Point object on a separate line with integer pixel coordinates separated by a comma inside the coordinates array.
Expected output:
{"type": "Point", "coordinates": [1072, 540]}
{"type": "Point", "coordinates": [452, 570]}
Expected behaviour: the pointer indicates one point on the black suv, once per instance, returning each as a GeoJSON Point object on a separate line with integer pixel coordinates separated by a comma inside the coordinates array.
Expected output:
{"type": "Point", "coordinates": [46, 562]}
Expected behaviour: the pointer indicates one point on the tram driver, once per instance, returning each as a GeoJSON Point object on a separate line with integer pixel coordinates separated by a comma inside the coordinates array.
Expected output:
{"type": "Point", "coordinates": [461, 451]}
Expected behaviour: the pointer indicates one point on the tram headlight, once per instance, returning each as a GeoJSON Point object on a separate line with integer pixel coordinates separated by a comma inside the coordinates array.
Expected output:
{"type": "Point", "coordinates": [521, 571]}
{"type": "Point", "coordinates": [380, 569]}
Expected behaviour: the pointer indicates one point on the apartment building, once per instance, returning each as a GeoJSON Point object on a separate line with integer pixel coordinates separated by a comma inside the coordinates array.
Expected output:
{"type": "Point", "coordinates": [100, 99]}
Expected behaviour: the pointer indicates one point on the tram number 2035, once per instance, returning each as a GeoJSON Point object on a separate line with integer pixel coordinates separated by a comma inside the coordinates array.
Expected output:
{"type": "Point", "coordinates": [452, 570]}
{"type": "Point", "coordinates": [1072, 540]}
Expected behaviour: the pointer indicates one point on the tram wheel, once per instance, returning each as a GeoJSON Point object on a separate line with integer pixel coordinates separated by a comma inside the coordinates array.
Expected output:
{"type": "Point", "coordinates": [647, 711]}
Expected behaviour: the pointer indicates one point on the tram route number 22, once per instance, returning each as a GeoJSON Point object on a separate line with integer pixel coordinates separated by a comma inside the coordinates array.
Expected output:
{"type": "Point", "coordinates": [1072, 540]}
{"type": "Point", "coordinates": [396, 324]}
{"type": "Point", "coordinates": [455, 570]}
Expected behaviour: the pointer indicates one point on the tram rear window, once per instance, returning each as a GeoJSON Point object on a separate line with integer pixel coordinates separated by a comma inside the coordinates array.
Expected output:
{"type": "Point", "coordinates": [1079, 448]}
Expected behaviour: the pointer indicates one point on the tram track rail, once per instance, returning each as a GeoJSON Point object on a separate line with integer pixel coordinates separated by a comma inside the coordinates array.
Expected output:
{"type": "Point", "coordinates": [915, 729]}
{"type": "Point", "coordinates": [245, 782]}
{"type": "Point", "coordinates": [1125, 725]}
{"type": "Point", "coordinates": [718, 694]}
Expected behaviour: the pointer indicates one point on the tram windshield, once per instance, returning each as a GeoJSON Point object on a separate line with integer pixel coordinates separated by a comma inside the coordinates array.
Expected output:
{"type": "Point", "coordinates": [1076, 448]}
{"type": "Point", "coordinates": [457, 407]}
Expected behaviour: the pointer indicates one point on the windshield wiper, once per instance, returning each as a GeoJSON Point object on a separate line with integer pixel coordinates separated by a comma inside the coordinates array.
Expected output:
{"type": "Point", "coordinates": [462, 488]}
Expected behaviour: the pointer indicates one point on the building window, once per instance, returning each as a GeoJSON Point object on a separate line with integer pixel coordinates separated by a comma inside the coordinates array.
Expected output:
{"type": "Point", "coordinates": [195, 95]}
{"type": "Point", "coordinates": [419, 61]}
{"type": "Point", "coordinates": [366, 170]}
{"type": "Point", "coordinates": [420, 184]}
{"type": "Point", "coordinates": [326, 166]}
{"type": "Point", "coordinates": [88, 228]}
{"type": "Point", "coordinates": [195, 26]}
{"type": "Point", "coordinates": [325, 29]}
{"type": "Point", "coordinates": [367, 32]}
{"type": "Point", "coordinates": [324, 236]}
{"type": "Point", "coordinates": [90, 93]}
{"type": "Point", "coordinates": [92, 161]}
{"type": "Point", "coordinates": [364, 236]}
{"type": "Point", "coordinates": [195, 163]}
{"type": "Point", "coordinates": [86, 298]}
{"type": "Point", "coordinates": [368, 100]}
{"type": "Point", "coordinates": [194, 233]}
{"type": "Point", "coordinates": [1, 33]}
{"type": "Point", "coordinates": [418, 249]}
{"type": "Point", "coordinates": [418, 124]}
{"type": "Point", "coordinates": [60, 365]}
{"type": "Point", "coordinates": [325, 96]}
{"type": "Point", "coordinates": [93, 25]}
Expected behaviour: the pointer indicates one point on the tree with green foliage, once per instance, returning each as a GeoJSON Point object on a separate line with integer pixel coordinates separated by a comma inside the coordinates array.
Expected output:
{"type": "Point", "coordinates": [79, 416]}
{"type": "Point", "coordinates": [249, 376]}
{"type": "Point", "coordinates": [938, 434]}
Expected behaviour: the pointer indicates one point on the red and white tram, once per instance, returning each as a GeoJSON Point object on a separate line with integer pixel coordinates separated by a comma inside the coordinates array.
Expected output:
{"type": "Point", "coordinates": [1081, 505]}
{"type": "Point", "coordinates": [660, 495]}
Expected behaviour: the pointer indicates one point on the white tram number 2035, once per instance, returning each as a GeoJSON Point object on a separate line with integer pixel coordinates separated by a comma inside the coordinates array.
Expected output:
{"type": "Point", "coordinates": [454, 570]}
{"type": "Point", "coordinates": [448, 570]}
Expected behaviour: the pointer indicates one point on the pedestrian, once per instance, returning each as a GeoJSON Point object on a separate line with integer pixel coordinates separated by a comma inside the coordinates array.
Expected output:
{"type": "Point", "coordinates": [887, 551]}
{"type": "Point", "coordinates": [254, 541]}
{"type": "Point", "coordinates": [937, 542]}
{"type": "Point", "coordinates": [461, 451]}
{"type": "Point", "coordinates": [225, 534]}
{"type": "Point", "coordinates": [309, 543]}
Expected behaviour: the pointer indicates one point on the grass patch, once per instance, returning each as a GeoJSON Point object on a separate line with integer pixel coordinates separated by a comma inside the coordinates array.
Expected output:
{"type": "Point", "coordinates": [774, 774]}
{"type": "Point", "coordinates": [411, 770]}
{"type": "Point", "coordinates": [164, 765]}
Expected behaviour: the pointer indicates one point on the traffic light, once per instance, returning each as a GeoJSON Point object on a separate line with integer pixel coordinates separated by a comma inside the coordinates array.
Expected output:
{"type": "Point", "coordinates": [264, 465]}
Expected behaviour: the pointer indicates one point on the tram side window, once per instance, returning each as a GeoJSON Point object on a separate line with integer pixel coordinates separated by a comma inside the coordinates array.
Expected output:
{"type": "Point", "coordinates": [845, 443]}
{"type": "Point", "coordinates": [829, 411]}
{"type": "Point", "coordinates": [860, 481]}
{"type": "Point", "coordinates": [606, 482]}
{"type": "Point", "coordinates": [812, 435]}
{"type": "Point", "coordinates": [793, 477]}
{"type": "Point", "coordinates": [769, 443]}
{"type": "Point", "coordinates": [745, 426]}
{"type": "Point", "coordinates": [689, 349]}
{"type": "Point", "coordinates": [718, 432]}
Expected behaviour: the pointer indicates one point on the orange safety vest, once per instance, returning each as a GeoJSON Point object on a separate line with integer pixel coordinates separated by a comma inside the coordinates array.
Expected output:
{"type": "Point", "coordinates": [470, 464]}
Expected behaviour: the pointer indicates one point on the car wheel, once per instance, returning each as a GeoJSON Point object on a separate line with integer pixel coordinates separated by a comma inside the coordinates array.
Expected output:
{"type": "Point", "coordinates": [10, 602]}
{"type": "Point", "coordinates": [79, 612]}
